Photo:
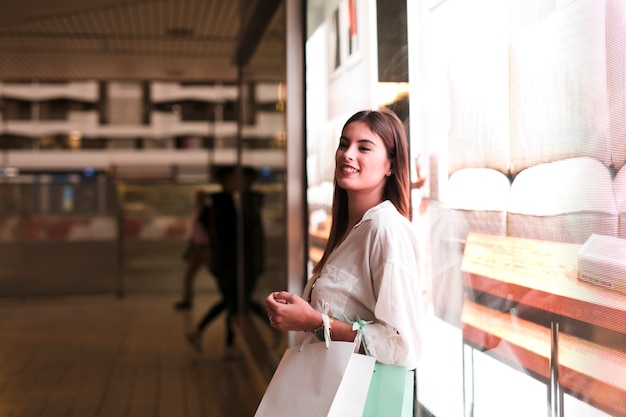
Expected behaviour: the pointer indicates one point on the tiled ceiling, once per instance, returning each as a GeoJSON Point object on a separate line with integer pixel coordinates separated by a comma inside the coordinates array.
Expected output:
{"type": "Point", "coordinates": [140, 39]}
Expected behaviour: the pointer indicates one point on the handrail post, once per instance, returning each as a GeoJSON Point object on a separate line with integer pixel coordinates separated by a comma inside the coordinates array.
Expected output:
{"type": "Point", "coordinates": [555, 394]}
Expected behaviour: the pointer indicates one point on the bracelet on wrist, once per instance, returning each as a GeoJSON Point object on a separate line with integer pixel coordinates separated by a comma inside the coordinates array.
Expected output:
{"type": "Point", "coordinates": [319, 332]}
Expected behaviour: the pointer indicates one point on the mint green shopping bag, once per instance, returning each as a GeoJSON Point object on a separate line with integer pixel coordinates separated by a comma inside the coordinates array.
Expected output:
{"type": "Point", "coordinates": [391, 392]}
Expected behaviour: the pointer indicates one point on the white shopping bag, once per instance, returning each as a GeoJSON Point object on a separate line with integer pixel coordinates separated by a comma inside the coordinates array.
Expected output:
{"type": "Point", "coordinates": [314, 380]}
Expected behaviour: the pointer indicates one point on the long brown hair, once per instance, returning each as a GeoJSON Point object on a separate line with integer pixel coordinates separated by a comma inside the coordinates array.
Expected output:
{"type": "Point", "coordinates": [390, 129]}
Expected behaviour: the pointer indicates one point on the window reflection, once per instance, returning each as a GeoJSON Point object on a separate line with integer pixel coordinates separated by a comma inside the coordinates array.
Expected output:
{"type": "Point", "coordinates": [510, 125]}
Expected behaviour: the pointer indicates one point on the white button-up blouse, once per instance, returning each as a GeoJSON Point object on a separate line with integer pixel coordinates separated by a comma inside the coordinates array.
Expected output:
{"type": "Point", "coordinates": [373, 275]}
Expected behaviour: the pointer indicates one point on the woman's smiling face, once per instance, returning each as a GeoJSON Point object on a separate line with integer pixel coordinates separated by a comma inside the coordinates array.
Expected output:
{"type": "Point", "coordinates": [361, 160]}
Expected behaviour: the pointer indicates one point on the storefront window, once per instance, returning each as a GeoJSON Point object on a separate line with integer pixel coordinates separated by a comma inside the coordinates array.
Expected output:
{"type": "Point", "coordinates": [515, 114]}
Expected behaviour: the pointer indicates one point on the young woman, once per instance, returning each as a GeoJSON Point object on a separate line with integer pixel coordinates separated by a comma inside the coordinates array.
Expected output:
{"type": "Point", "coordinates": [369, 271]}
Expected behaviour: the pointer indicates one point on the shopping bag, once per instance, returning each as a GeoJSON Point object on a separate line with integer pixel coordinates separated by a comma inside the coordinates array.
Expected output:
{"type": "Point", "coordinates": [391, 392]}
{"type": "Point", "coordinates": [313, 380]}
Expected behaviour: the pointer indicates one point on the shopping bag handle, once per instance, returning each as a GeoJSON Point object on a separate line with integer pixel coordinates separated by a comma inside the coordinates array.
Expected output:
{"type": "Point", "coordinates": [306, 341]}
{"type": "Point", "coordinates": [310, 336]}
{"type": "Point", "coordinates": [356, 325]}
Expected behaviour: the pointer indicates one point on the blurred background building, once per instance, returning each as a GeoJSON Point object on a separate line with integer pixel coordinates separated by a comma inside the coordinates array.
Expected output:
{"type": "Point", "coordinates": [112, 115]}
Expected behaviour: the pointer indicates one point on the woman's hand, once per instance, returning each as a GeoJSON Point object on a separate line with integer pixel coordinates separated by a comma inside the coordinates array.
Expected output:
{"type": "Point", "coordinates": [287, 311]}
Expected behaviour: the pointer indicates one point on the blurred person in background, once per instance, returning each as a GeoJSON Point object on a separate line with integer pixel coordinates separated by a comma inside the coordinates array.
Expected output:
{"type": "Point", "coordinates": [197, 251]}
{"type": "Point", "coordinates": [236, 198]}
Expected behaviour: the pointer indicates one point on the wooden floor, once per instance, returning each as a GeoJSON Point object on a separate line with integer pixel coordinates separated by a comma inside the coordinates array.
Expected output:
{"type": "Point", "coordinates": [102, 356]}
